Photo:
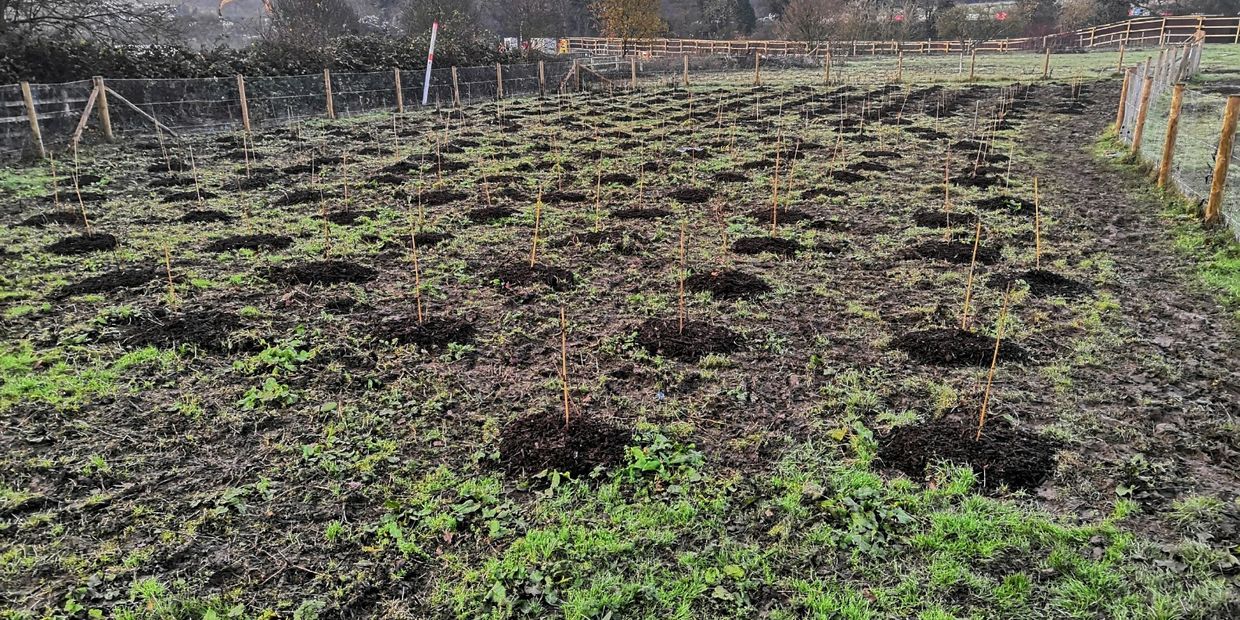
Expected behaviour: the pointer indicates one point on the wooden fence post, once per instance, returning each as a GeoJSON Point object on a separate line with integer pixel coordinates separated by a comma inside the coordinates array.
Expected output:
{"type": "Point", "coordinates": [972, 63]}
{"type": "Point", "coordinates": [1046, 64]}
{"type": "Point", "coordinates": [499, 81]}
{"type": "Point", "coordinates": [244, 102]}
{"type": "Point", "coordinates": [633, 72]}
{"type": "Point", "coordinates": [456, 89]}
{"type": "Point", "coordinates": [686, 70]}
{"type": "Point", "coordinates": [757, 70]}
{"type": "Point", "coordinates": [900, 67]}
{"type": "Point", "coordinates": [542, 79]}
{"type": "Point", "coordinates": [1120, 65]}
{"type": "Point", "coordinates": [826, 68]}
{"type": "Point", "coordinates": [400, 95]}
{"type": "Point", "coordinates": [105, 117]}
{"type": "Point", "coordinates": [327, 90]}
{"type": "Point", "coordinates": [1123, 101]}
{"type": "Point", "coordinates": [1142, 111]}
{"type": "Point", "coordinates": [1226, 141]}
{"type": "Point", "coordinates": [1173, 124]}
{"type": "Point", "coordinates": [33, 116]}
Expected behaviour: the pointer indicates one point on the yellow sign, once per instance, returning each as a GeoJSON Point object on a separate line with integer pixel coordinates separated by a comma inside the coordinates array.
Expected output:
{"type": "Point", "coordinates": [562, 47]}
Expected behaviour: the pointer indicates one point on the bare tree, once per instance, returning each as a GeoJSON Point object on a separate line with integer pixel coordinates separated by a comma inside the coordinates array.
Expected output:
{"type": "Point", "coordinates": [809, 20]}
{"type": "Point", "coordinates": [312, 21]}
{"type": "Point", "coordinates": [105, 20]}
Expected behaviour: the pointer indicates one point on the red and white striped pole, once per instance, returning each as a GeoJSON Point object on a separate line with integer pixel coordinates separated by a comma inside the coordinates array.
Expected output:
{"type": "Point", "coordinates": [430, 58]}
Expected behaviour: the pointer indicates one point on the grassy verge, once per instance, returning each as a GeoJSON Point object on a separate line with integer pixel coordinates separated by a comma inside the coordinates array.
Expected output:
{"type": "Point", "coordinates": [1214, 250]}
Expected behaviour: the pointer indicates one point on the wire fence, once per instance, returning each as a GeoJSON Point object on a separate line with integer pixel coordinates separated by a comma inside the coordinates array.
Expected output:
{"type": "Point", "coordinates": [1191, 163]}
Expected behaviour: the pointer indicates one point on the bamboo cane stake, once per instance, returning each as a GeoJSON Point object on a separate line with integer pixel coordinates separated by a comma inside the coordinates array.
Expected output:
{"type": "Point", "coordinates": [994, 360]}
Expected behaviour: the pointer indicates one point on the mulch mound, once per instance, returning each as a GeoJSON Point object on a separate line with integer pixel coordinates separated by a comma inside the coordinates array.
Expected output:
{"type": "Point", "coordinates": [825, 192]}
{"type": "Point", "coordinates": [1044, 283]}
{"type": "Point", "coordinates": [559, 197]}
{"type": "Point", "coordinates": [438, 197]}
{"type": "Point", "coordinates": [845, 176]}
{"type": "Point", "coordinates": [697, 339]}
{"type": "Point", "coordinates": [348, 218]}
{"type": "Point", "coordinates": [541, 442]}
{"type": "Point", "coordinates": [189, 195]}
{"type": "Point", "coordinates": [949, 346]}
{"type": "Point", "coordinates": [83, 244]}
{"type": "Point", "coordinates": [727, 284]}
{"type": "Point", "coordinates": [204, 216]}
{"type": "Point", "coordinates": [208, 330]}
{"type": "Point", "coordinates": [522, 274]}
{"type": "Point", "coordinates": [640, 213]}
{"type": "Point", "coordinates": [324, 272]}
{"type": "Point", "coordinates": [250, 242]}
{"type": "Point", "coordinates": [759, 245]}
{"type": "Point", "coordinates": [484, 215]}
{"type": "Point", "coordinates": [952, 252]}
{"type": "Point", "coordinates": [624, 243]}
{"type": "Point", "coordinates": [691, 194]}
{"type": "Point", "coordinates": [1016, 458]}
{"type": "Point", "coordinates": [785, 216]}
{"type": "Point", "coordinates": [63, 218]}
{"type": "Point", "coordinates": [943, 219]}
{"type": "Point", "coordinates": [298, 197]}
{"type": "Point", "coordinates": [730, 177]}
{"type": "Point", "coordinates": [120, 278]}
{"type": "Point", "coordinates": [431, 334]}
{"type": "Point", "coordinates": [619, 178]}
{"type": "Point", "coordinates": [1009, 204]}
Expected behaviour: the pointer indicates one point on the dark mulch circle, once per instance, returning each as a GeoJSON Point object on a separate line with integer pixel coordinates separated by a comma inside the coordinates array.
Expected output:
{"type": "Point", "coordinates": [845, 176]}
{"type": "Point", "coordinates": [254, 182]}
{"type": "Point", "coordinates": [730, 177]}
{"type": "Point", "coordinates": [129, 277]}
{"type": "Point", "coordinates": [250, 242]}
{"type": "Point", "coordinates": [430, 239]}
{"type": "Point", "coordinates": [53, 218]}
{"type": "Point", "coordinates": [621, 242]}
{"type": "Point", "coordinates": [206, 216]}
{"type": "Point", "coordinates": [565, 196]}
{"type": "Point", "coordinates": [438, 197]}
{"type": "Point", "coordinates": [431, 334]}
{"type": "Point", "coordinates": [871, 166]}
{"type": "Point", "coordinates": [388, 178]}
{"type": "Point", "coordinates": [172, 181]}
{"type": "Point", "coordinates": [83, 244]}
{"type": "Point", "coordinates": [946, 346]}
{"type": "Point", "coordinates": [1016, 458]}
{"type": "Point", "coordinates": [1043, 283]}
{"type": "Point", "coordinates": [943, 219]}
{"type": "Point", "coordinates": [348, 218]}
{"type": "Point", "coordinates": [691, 194]}
{"type": "Point", "coordinates": [640, 213]}
{"type": "Point", "coordinates": [209, 330]}
{"type": "Point", "coordinates": [652, 166]}
{"type": "Point", "coordinates": [879, 154]}
{"type": "Point", "coordinates": [785, 216]}
{"type": "Point", "coordinates": [697, 339]}
{"type": "Point", "coordinates": [826, 192]}
{"type": "Point", "coordinates": [189, 195]}
{"type": "Point", "coordinates": [541, 442]}
{"type": "Point", "coordinates": [1010, 204]}
{"type": "Point", "coordinates": [727, 284]}
{"type": "Point", "coordinates": [980, 181]}
{"type": "Point", "coordinates": [619, 178]}
{"type": "Point", "coordinates": [759, 245]}
{"type": "Point", "coordinates": [298, 197]}
{"type": "Point", "coordinates": [522, 274]}
{"type": "Point", "coordinates": [483, 215]}
{"type": "Point", "coordinates": [324, 272]}
{"type": "Point", "coordinates": [952, 252]}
